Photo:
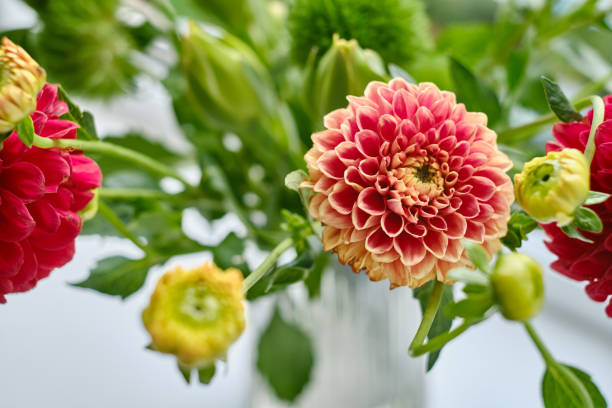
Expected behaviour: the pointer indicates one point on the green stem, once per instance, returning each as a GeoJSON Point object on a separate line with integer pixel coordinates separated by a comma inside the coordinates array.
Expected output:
{"type": "Point", "coordinates": [598, 117]}
{"type": "Point", "coordinates": [268, 263]}
{"type": "Point", "coordinates": [111, 150]}
{"type": "Point", "coordinates": [131, 193]}
{"type": "Point", "coordinates": [439, 341]}
{"type": "Point", "coordinates": [559, 371]}
{"type": "Point", "coordinates": [116, 222]}
{"type": "Point", "coordinates": [538, 123]}
{"type": "Point", "coordinates": [428, 315]}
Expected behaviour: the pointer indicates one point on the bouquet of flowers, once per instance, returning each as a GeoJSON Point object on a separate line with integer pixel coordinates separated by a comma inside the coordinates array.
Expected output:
{"type": "Point", "coordinates": [382, 135]}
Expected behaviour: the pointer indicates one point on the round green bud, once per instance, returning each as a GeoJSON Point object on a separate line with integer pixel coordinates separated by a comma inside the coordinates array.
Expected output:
{"type": "Point", "coordinates": [550, 188]}
{"type": "Point", "coordinates": [518, 286]}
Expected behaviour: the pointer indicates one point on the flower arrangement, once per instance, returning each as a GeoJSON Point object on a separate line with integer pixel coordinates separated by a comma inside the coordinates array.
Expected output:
{"type": "Point", "coordinates": [337, 133]}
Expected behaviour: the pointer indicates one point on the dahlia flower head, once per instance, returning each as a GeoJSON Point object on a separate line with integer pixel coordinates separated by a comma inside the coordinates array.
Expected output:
{"type": "Point", "coordinates": [579, 260]}
{"type": "Point", "coordinates": [401, 176]}
{"type": "Point", "coordinates": [41, 193]}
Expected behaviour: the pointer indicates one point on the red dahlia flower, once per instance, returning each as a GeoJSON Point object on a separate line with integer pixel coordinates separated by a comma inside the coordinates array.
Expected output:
{"type": "Point", "coordinates": [577, 259]}
{"type": "Point", "coordinates": [41, 192]}
{"type": "Point", "coordinates": [401, 176]}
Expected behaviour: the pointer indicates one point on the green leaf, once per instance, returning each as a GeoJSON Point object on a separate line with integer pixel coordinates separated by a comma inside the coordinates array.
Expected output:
{"type": "Point", "coordinates": [587, 220]}
{"type": "Point", "coordinates": [185, 372]}
{"type": "Point", "coordinates": [281, 277]}
{"type": "Point", "coordinates": [517, 65]}
{"type": "Point", "coordinates": [206, 374]}
{"type": "Point", "coordinates": [118, 276]}
{"type": "Point", "coordinates": [572, 232]}
{"type": "Point", "coordinates": [596, 197]}
{"type": "Point", "coordinates": [229, 253]}
{"type": "Point", "coordinates": [474, 306]}
{"type": "Point", "coordinates": [398, 72]}
{"type": "Point", "coordinates": [294, 179]}
{"type": "Point", "coordinates": [469, 276]}
{"type": "Point", "coordinates": [25, 131]}
{"type": "Point", "coordinates": [466, 41]}
{"type": "Point", "coordinates": [314, 278]}
{"type": "Point", "coordinates": [285, 357]}
{"type": "Point", "coordinates": [477, 255]}
{"type": "Point", "coordinates": [559, 389]}
{"type": "Point", "coordinates": [84, 119]}
{"type": "Point", "coordinates": [475, 94]}
{"type": "Point", "coordinates": [442, 323]}
{"type": "Point", "coordinates": [558, 102]}
{"type": "Point", "coordinates": [519, 226]}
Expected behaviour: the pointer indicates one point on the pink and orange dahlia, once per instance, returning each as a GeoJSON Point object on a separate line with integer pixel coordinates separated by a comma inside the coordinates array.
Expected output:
{"type": "Point", "coordinates": [577, 259]}
{"type": "Point", "coordinates": [41, 192]}
{"type": "Point", "coordinates": [401, 176]}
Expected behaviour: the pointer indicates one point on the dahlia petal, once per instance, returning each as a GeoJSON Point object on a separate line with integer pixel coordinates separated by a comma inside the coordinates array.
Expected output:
{"type": "Point", "coordinates": [343, 198]}
{"type": "Point", "coordinates": [367, 118]}
{"type": "Point", "coordinates": [59, 129]}
{"type": "Point", "coordinates": [454, 251]}
{"type": "Point", "coordinates": [331, 238]}
{"type": "Point", "coordinates": [45, 215]}
{"type": "Point", "coordinates": [327, 139]}
{"type": "Point", "coordinates": [371, 202]}
{"type": "Point", "coordinates": [335, 118]}
{"type": "Point", "coordinates": [55, 167]}
{"type": "Point", "coordinates": [416, 230]}
{"type": "Point", "coordinates": [378, 242]}
{"type": "Point", "coordinates": [475, 231]}
{"type": "Point", "coordinates": [469, 206]}
{"type": "Point", "coordinates": [26, 278]}
{"type": "Point", "coordinates": [16, 223]}
{"type": "Point", "coordinates": [49, 259]}
{"type": "Point", "coordinates": [424, 119]}
{"type": "Point", "coordinates": [352, 177]}
{"type": "Point", "coordinates": [565, 133]}
{"type": "Point", "coordinates": [348, 153]}
{"type": "Point", "coordinates": [483, 189]}
{"type": "Point", "coordinates": [436, 242]}
{"type": "Point", "coordinates": [411, 249]}
{"type": "Point", "coordinates": [392, 224]}
{"type": "Point", "coordinates": [404, 105]}
{"type": "Point", "coordinates": [387, 127]}
{"type": "Point", "coordinates": [368, 169]}
{"type": "Point", "coordinates": [330, 165]}
{"type": "Point", "coordinates": [437, 223]}
{"type": "Point", "coordinates": [69, 229]}
{"type": "Point", "coordinates": [25, 180]}
{"type": "Point", "coordinates": [81, 200]}
{"type": "Point", "coordinates": [332, 217]}
{"type": "Point", "coordinates": [11, 259]}
{"type": "Point", "coordinates": [368, 143]}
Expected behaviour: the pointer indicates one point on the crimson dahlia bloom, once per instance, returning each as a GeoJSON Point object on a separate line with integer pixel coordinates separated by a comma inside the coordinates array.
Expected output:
{"type": "Point", "coordinates": [580, 260]}
{"type": "Point", "coordinates": [401, 176]}
{"type": "Point", "coordinates": [41, 192]}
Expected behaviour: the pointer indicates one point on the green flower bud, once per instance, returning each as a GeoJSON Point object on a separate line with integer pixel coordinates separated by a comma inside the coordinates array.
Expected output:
{"type": "Point", "coordinates": [226, 79]}
{"type": "Point", "coordinates": [196, 314]}
{"type": "Point", "coordinates": [345, 69]}
{"type": "Point", "coordinates": [21, 78]}
{"type": "Point", "coordinates": [233, 13]}
{"type": "Point", "coordinates": [550, 188]}
{"type": "Point", "coordinates": [85, 47]}
{"type": "Point", "coordinates": [518, 286]}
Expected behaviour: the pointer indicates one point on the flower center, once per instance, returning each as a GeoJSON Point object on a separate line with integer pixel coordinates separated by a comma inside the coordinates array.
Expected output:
{"type": "Point", "coordinates": [423, 174]}
{"type": "Point", "coordinates": [418, 176]}
{"type": "Point", "coordinates": [200, 304]}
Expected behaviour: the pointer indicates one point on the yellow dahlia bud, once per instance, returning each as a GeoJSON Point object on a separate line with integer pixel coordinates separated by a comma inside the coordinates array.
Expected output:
{"type": "Point", "coordinates": [196, 314]}
{"type": "Point", "coordinates": [21, 78]}
{"type": "Point", "coordinates": [550, 188]}
{"type": "Point", "coordinates": [518, 286]}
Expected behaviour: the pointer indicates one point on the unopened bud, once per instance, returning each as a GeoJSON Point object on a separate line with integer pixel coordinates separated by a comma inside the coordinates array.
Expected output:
{"type": "Point", "coordinates": [345, 69]}
{"type": "Point", "coordinates": [21, 78]}
{"type": "Point", "coordinates": [550, 188]}
{"type": "Point", "coordinates": [518, 286]}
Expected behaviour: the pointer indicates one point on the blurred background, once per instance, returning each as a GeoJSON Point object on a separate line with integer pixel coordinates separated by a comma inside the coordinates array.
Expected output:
{"type": "Point", "coordinates": [67, 347]}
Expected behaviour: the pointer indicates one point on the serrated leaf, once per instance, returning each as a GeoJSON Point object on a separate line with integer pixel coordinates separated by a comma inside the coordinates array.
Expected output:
{"type": "Point", "coordinates": [559, 389]}
{"type": "Point", "coordinates": [294, 179]}
{"type": "Point", "coordinates": [118, 276]}
{"type": "Point", "coordinates": [206, 374]}
{"type": "Point", "coordinates": [469, 276]}
{"type": "Point", "coordinates": [587, 220]}
{"type": "Point", "coordinates": [558, 102]}
{"type": "Point", "coordinates": [87, 130]}
{"type": "Point", "coordinates": [477, 255]}
{"type": "Point", "coordinates": [285, 357]}
{"type": "Point", "coordinates": [596, 197]}
{"type": "Point", "coordinates": [442, 323]}
{"type": "Point", "coordinates": [475, 94]}
{"type": "Point", "coordinates": [25, 131]}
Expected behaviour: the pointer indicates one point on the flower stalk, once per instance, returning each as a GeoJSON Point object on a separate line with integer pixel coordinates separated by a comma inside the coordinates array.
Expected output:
{"type": "Point", "coordinates": [598, 117]}
{"type": "Point", "coordinates": [428, 316]}
{"type": "Point", "coordinates": [268, 263]}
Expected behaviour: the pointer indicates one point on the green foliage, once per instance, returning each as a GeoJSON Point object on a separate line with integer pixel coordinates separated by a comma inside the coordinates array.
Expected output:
{"type": "Point", "coordinates": [558, 102]}
{"type": "Point", "coordinates": [285, 357]}
{"type": "Point", "coordinates": [229, 253]}
{"type": "Point", "coordinates": [559, 388]}
{"type": "Point", "coordinates": [375, 25]}
{"type": "Point", "coordinates": [25, 131]}
{"type": "Point", "coordinates": [519, 226]}
{"type": "Point", "coordinates": [442, 323]}
{"type": "Point", "coordinates": [474, 93]}
{"type": "Point", "coordinates": [466, 42]}
{"type": "Point", "coordinates": [587, 220]}
{"type": "Point", "coordinates": [87, 129]}
{"type": "Point", "coordinates": [477, 255]}
{"type": "Point", "coordinates": [596, 197]}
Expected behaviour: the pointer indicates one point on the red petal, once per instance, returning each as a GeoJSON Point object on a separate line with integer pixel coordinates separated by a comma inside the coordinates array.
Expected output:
{"type": "Point", "coordinates": [86, 174]}
{"type": "Point", "coordinates": [392, 224]}
{"type": "Point", "coordinates": [411, 249]}
{"type": "Point", "coordinates": [378, 242]}
{"type": "Point", "coordinates": [436, 242]}
{"type": "Point", "coordinates": [11, 259]}
{"type": "Point", "coordinates": [371, 202]}
{"type": "Point", "coordinates": [24, 180]}
{"type": "Point", "coordinates": [368, 143]}
{"type": "Point", "coordinates": [16, 223]}
{"type": "Point", "coordinates": [69, 229]}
